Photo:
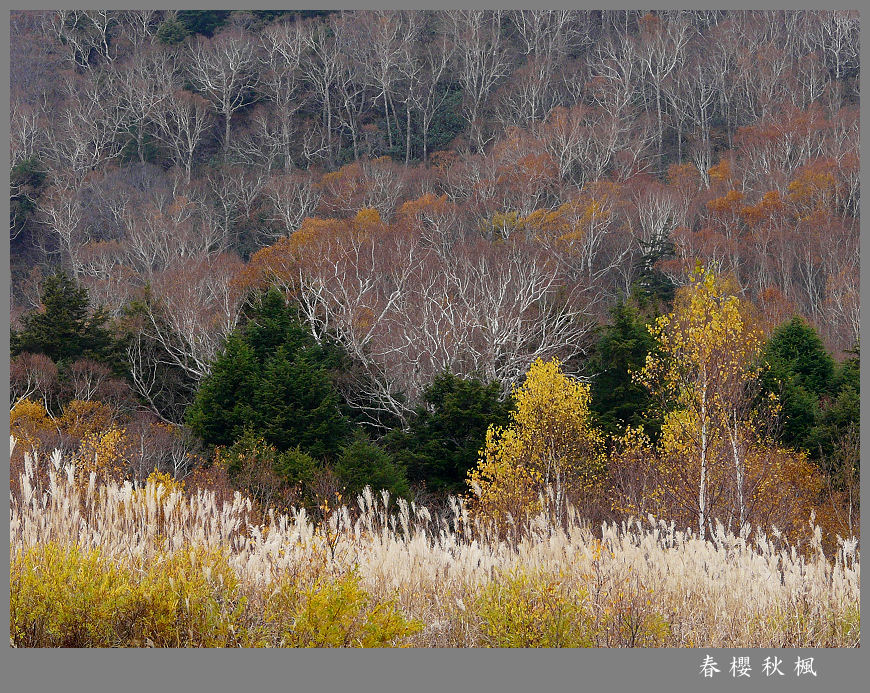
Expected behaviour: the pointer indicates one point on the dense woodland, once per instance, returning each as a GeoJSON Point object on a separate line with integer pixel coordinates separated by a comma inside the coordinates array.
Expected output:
{"type": "Point", "coordinates": [298, 253]}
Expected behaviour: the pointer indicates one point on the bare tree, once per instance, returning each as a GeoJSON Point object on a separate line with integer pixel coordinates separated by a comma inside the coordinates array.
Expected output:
{"type": "Point", "coordinates": [266, 140]}
{"type": "Point", "coordinates": [351, 86]}
{"type": "Point", "coordinates": [60, 211]}
{"type": "Point", "coordinates": [844, 306]}
{"type": "Point", "coordinates": [693, 94]}
{"type": "Point", "coordinates": [26, 136]}
{"type": "Point", "coordinates": [182, 121]}
{"type": "Point", "coordinates": [156, 379]}
{"type": "Point", "coordinates": [659, 213]}
{"type": "Point", "coordinates": [551, 33]}
{"type": "Point", "coordinates": [404, 312]}
{"type": "Point", "coordinates": [85, 134]}
{"type": "Point", "coordinates": [87, 378]}
{"type": "Point", "coordinates": [547, 37]}
{"type": "Point", "coordinates": [836, 33]}
{"type": "Point", "coordinates": [195, 307]}
{"type": "Point", "coordinates": [141, 92]}
{"type": "Point", "coordinates": [142, 25]}
{"type": "Point", "coordinates": [483, 61]}
{"type": "Point", "coordinates": [232, 192]}
{"type": "Point", "coordinates": [387, 35]}
{"type": "Point", "coordinates": [107, 275]}
{"type": "Point", "coordinates": [425, 72]}
{"type": "Point", "coordinates": [320, 67]}
{"type": "Point", "coordinates": [160, 445]}
{"type": "Point", "coordinates": [661, 49]}
{"type": "Point", "coordinates": [86, 34]}
{"type": "Point", "coordinates": [293, 197]}
{"type": "Point", "coordinates": [529, 95]}
{"type": "Point", "coordinates": [32, 376]}
{"type": "Point", "coordinates": [222, 69]}
{"type": "Point", "coordinates": [377, 184]}
{"type": "Point", "coordinates": [617, 75]}
{"type": "Point", "coordinates": [814, 80]}
{"type": "Point", "coordinates": [283, 46]}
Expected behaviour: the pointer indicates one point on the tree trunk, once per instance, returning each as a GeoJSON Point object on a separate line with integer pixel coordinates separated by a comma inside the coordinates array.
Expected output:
{"type": "Point", "coordinates": [702, 490]}
{"type": "Point", "coordinates": [680, 142]}
{"type": "Point", "coordinates": [407, 134]}
{"type": "Point", "coordinates": [425, 140]}
{"type": "Point", "coordinates": [387, 118]}
{"type": "Point", "coordinates": [350, 120]}
{"type": "Point", "coordinates": [327, 112]}
{"type": "Point", "coordinates": [140, 145]}
{"type": "Point", "coordinates": [738, 470]}
{"type": "Point", "coordinates": [659, 119]}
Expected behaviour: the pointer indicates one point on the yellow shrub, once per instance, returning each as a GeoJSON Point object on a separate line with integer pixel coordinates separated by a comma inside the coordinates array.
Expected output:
{"type": "Point", "coordinates": [629, 618]}
{"type": "Point", "coordinates": [27, 420]}
{"type": "Point", "coordinates": [104, 453]}
{"type": "Point", "coordinates": [532, 610]}
{"type": "Point", "coordinates": [334, 613]}
{"type": "Point", "coordinates": [166, 480]}
{"type": "Point", "coordinates": [64, 597]}
{"type": "Point", "coordinates": [81, 418]}
{"type": "Point", "coordinates": [191, 598]}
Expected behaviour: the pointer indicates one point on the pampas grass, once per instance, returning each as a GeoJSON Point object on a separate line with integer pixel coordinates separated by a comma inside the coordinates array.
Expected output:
{"type": "Point", "coordinates": [638, 583]}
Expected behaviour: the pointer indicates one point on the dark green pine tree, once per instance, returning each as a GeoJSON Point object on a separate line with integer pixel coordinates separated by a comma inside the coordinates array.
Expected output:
{"type": "Point", "coordinates": [618, 401]}
{"type": "Point", "coordinates": [225, 402]}
{"type": "Point", "coordinates": [65, 329]}
{"type": "Point", "coordinates": [297, 405]}
{"type": "Point", "coordinates": [26, 180]}
{"type": "Point", "coordinates": [172, 32]}
{"type": "Point", "coordinates": [800, 371]}
{"type": "Point", "coordinates": [820, 398]}
{"type": "Point", "coordinates": [274, 379]}
{"type": "Point", "coordinates": [448, 431]}
{"type": "Point", "coordinates": [363, 463]}
{"type": "Point", "coordinates": [839, 414]}
{"type": "Point", "coordinates": [205, 22]}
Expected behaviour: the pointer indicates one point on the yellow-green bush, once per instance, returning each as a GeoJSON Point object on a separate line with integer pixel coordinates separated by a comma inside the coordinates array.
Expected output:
{"type": "Point", "coordinates": [334, 613]}
{"type": "Point", "coordinates": [785, 625]}
{"type": "Point", "coordinates": [632, 622]}
{"type": "Point", "coordinates": [522, 609]}
{"type": "Point", "coordinates": [64, 597]}
{"type": "Point", "coordinates": [190, 598]}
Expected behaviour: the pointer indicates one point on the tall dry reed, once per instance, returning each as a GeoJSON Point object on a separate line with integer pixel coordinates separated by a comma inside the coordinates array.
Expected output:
{"type": "Point", "coordinates": [637, 583]}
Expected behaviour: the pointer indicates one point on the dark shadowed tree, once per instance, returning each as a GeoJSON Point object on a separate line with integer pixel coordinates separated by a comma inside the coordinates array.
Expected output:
{"type": "Point", "coordinates": [447, 433]}
{"type": "Point", "coordinates": [273, 378]}
{"type": "Point", "coordinates": [618, 400]}
{"type": "Point", "coordinates": [65, 328]}
{"type": "Point", "coordinates": [799, 371]}
{"type": "Point", "coordinates": [363, 463]}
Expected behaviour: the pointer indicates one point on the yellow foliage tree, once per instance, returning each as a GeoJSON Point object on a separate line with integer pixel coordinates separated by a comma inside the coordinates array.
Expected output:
{"type": "Point", "coordinates": [101, 445]}
{"type": "Point", "coordinates": [549, 447]}
{"type": "Point", "coordinates": [27, 420]}
{"type": "Point", "coordinates": [81, 417]}
{"type": "Point", "coordinates": [704, 370]}
{"type": "Point", "coordinates": [104, 453]}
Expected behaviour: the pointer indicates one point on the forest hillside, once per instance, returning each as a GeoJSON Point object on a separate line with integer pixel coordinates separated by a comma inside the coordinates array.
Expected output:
{"type": "Point", "coordinates": [587, 275]}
